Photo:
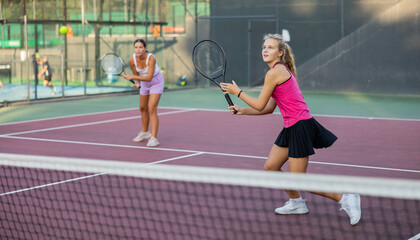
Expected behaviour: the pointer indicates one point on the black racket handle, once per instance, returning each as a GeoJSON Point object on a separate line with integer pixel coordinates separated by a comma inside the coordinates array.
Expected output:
{"type": "Point", "coordinates": [230, 102]}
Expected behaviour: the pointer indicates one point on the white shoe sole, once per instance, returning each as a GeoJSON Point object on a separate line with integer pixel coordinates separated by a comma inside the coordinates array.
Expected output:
{"type": "Point", "coordinates": [152, 145]}
{"type": "Point", "coordinates": [141, 140]}
{"type": "Point", "coordinates": [291, 213]}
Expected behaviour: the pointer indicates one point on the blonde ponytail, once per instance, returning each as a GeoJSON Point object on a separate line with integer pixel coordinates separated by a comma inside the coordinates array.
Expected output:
{"type": "Point", "coordinates": [289, 59]}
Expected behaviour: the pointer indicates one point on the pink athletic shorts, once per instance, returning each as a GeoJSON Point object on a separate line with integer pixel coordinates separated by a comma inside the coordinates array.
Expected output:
{"type": "Point", "coordinates": [153, 87]}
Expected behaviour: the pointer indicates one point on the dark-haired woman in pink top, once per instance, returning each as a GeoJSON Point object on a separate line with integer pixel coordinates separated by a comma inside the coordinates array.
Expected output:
{"type": "Point", "coordinates": [301, 132]}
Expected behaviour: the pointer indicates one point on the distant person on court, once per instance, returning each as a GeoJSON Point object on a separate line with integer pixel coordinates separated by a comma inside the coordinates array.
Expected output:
{"type": "Point", "coordinates": [46, 71]}
{"type": "Point", "coordinates": [150, 79]}
{"type": "Point", "coordinates": [1, 84]}
{"type": "Point", "coordinates": [301, 132]}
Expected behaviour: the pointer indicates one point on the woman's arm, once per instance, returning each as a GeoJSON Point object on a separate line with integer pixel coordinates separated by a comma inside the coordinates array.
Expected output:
{"type": "Point", "coordinates": [269, 108]}
{"type": "Point", "coordinates": [273, 77]}
{"type": "Point", "coordinates": [134, 71]}
{"type": "Point", "coordinates": [150, 71]}
{"type": "Point", "coordinates": [256, 103]}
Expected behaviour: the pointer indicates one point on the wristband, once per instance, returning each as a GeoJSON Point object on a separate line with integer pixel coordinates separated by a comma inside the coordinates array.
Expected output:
{"type": "Point", "coordinates": [239, 94]}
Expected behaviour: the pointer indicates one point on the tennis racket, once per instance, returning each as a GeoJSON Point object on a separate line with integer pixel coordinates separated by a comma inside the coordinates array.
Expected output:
{"type": "Point", "coordinates": [112, 64]}
{"type": "Point", "coordinates": [210, 61]}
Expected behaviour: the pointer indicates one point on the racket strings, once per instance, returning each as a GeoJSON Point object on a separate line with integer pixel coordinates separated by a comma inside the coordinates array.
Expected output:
{"type": "Point", "coordinates": [112, 64]}
{"type": "Point", "coordinates": [209, 59]}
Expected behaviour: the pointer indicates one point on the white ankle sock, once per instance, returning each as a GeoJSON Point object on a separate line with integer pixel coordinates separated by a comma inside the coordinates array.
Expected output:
{"type": "Point", "coordinates": [298, 200]}
{"type": "Point", "coordinates": [343, 198]}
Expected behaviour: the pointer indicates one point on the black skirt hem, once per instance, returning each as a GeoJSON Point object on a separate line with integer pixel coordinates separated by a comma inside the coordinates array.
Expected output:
{"type": "Point", "coordinates": [303, 137]}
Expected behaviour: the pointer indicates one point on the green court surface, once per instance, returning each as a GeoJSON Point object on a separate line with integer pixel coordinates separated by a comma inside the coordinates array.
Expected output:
{"type": "Point", "coordinates": [337, 104]}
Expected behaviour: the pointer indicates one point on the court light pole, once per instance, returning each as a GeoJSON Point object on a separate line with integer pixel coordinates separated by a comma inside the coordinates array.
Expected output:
{"type": "Point", "coordinates": [25, 19]}
{"type": "Point", "coordinates": [83, 45]}
{"type": "Point", "coordinates": [196, 39]}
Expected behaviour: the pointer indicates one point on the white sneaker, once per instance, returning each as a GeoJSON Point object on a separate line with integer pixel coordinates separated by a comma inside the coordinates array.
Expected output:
{"type": "Point", "coordinates": [142, 136]}
{"type": "Point", "coordinates": [153, 142]}
{"type": "Point", "coordinates": [293, 207]}
{"type": "Point", "coordinates": [352, 208]}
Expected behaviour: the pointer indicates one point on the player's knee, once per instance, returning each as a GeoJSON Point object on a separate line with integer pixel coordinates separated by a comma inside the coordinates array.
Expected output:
{"type": "Point", "coordinates": [144, 109]}
{"type": "Point", "coordinates": [270, 167]}
{"type": "Point", "coordinates": [153, 111]}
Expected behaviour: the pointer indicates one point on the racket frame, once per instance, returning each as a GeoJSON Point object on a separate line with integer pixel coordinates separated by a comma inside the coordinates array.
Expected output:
{"type": "Point", "coordinates": [228, 99]}
{"type": "Point", "coordinates": [122, 63]}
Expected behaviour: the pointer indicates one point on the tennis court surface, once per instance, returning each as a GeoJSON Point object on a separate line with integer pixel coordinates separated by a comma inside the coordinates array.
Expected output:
{"type": "Point", "coordinates": [81, 177]}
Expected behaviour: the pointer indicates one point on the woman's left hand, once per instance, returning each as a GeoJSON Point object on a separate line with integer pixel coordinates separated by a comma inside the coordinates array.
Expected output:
{"type": "Point", "coordinates": [128, 77]}
{"type": "Point", "coordinates": [230, 88]}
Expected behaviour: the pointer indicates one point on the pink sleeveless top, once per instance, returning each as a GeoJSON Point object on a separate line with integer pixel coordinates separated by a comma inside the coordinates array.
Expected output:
{"type": "Point", "coordinates": [290, 100]}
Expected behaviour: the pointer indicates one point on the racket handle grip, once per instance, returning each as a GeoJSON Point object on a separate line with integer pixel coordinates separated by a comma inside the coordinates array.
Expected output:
{"type": "Point", "coordinates": [132, 81]}
{"type": "Point", "coordinates": [230, 102]}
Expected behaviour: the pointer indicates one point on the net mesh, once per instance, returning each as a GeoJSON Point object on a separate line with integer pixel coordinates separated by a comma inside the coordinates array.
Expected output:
{"type": "Point", "coordinates": [209, 59]}
{"type": "Point", "coordinates": [66, 198]}
{"type": "Point", "coordinates": [112, 64]}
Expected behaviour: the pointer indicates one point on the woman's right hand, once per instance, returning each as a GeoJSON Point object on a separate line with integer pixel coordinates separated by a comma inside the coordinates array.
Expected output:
{"type": "Point", "coordinates": [239, 110]}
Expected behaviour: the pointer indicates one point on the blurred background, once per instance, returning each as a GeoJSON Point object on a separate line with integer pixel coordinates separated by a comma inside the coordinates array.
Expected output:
{"type": "Point", "coordinates": [357, 46]}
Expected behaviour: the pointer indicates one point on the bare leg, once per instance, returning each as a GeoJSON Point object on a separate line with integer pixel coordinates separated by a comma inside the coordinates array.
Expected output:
{"type": "Point", "coordinates": [144, 102]}
{"type": "Point", "coordinates": [154, 119]}
{"type": "Point", "coordinates": [276, 159]}
{"type": "Point", "coordinates": [299, 165]}
{"type": "Point", "coordinates": [49, 84]}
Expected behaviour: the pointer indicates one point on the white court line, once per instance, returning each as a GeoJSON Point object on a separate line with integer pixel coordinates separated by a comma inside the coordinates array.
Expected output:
{"type": "Point", "coordinates": [367, 167]}
{"type": "Point", "coordinates": [204, 109]}
{"type": "Point", "coordinates": [95, 113]}
{"type": "Point", "coordinates": [50, 184]}
{"type": "Point", "coordinates": [69, 116]}
{"type": "Point", "coordinates": [91, 123]}
{"type": "Point", "coordinates": [417, 237]}
{"type": "Point", "coordinates": [202, 152]}
{"type": "Point", "coordinates": [90, 176]}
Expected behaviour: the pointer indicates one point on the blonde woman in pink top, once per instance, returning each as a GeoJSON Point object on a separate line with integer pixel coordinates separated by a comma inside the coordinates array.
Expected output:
{"type": "Point", "coordinates": [301, 132]}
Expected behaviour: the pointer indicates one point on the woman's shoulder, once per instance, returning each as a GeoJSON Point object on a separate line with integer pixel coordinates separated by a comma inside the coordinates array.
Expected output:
{"type": "Point", "coordinates": [278, 74]}
{"type": "Point", "coordinates": [151, 57]}
{"type": "Point", "coordinates": [131, 59]}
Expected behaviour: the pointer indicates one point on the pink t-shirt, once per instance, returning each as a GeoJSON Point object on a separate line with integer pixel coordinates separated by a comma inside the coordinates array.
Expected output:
{"type": "Point", "coordinates": [290, 100]}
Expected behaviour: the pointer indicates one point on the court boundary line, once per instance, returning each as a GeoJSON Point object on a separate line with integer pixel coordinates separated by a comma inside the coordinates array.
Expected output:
{"type": "Point", "coordinates": [415, 237]}
{"type": "Point", "coordinates": [204, 109]}
{"type": "Point", "coordinates": [204, 152]}
{"type": "Point", "coordinates": [69, 116]}
{"type": "Point", "coordinates": [87, 124]}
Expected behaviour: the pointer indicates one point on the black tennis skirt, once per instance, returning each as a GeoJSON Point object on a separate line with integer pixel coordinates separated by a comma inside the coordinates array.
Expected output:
{"type": "Point", "coordinates": [303, 137]}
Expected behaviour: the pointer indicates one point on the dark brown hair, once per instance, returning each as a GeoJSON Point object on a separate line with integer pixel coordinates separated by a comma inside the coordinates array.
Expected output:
{"type": "Point", "coordinates": [140, 40]}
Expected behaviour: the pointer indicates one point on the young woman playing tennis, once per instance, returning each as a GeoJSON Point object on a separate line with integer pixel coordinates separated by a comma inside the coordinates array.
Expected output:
{"type": "Point", "coordinates": [301, 132]}
{"type": "Point", "coordinates": [150, 79]}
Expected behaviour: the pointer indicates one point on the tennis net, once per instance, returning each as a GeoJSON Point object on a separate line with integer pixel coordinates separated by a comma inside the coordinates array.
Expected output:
{"type": "Point", "coordinates": [67, 198]}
